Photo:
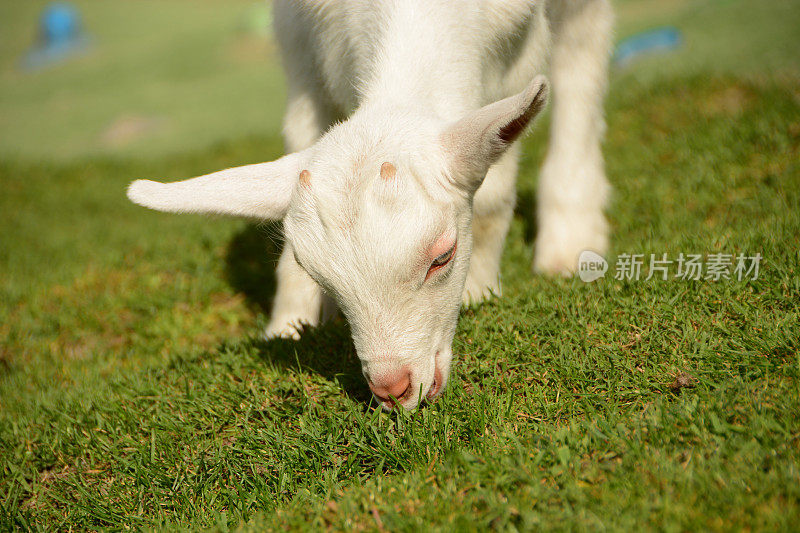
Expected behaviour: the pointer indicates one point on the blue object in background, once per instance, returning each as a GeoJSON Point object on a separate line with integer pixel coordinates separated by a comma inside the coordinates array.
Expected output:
{"type": "Point", "coordinates": [658, 40]}
{"type": "Point", "coordinates": [60, 36]}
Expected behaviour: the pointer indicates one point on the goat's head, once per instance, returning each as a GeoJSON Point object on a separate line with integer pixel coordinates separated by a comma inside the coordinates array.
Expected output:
{"type": "Point", "coordinates": [379, 213]}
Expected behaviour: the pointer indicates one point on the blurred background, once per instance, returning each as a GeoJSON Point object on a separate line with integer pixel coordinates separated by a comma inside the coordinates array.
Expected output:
{"type": "Point", "coordinates": [136, 78]}
{"type": "Point", "coordinates": [158, 77]}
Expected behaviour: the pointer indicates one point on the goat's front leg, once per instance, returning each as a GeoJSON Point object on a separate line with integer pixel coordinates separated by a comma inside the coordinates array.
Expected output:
{"type": "Point", "coordinates": [298, 298]}
{"type": "Point", "coordinates": [493, 208]}
{"type": "Point", "coordinates": [573, 190]}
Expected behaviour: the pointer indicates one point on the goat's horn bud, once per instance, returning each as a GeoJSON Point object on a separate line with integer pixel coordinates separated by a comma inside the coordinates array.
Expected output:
{"type": "Point", "coordinates": [388, 171]}
{"type": "Point", "coordinates": [305, 178]}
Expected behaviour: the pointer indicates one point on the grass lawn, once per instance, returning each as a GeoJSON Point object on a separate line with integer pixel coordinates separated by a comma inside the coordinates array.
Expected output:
{"type": "Point", "coordinates": [134, 392]}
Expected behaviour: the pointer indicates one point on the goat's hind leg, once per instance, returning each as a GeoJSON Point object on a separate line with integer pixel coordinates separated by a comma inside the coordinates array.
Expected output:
{"type": "Point", "coordinates": [572, 189]}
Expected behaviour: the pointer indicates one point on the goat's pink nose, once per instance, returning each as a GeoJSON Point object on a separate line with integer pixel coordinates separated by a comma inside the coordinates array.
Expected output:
{"type": "Point", "coordinates": [393, 385]}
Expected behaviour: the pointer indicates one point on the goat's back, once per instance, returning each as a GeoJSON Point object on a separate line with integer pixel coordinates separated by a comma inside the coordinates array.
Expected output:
{"type": "Point", "coordinates": [333, 47]}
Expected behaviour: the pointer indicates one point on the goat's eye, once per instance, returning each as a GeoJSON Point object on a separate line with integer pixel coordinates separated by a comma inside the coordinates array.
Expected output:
{"type": "Point", "coordinates": [441, 261]}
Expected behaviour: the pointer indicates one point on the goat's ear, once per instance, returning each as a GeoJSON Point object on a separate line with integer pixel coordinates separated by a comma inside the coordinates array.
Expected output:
{"type": "Point", "coordinates": [260, 191]}
{"type": "Point", "coordinates": [476, 142]}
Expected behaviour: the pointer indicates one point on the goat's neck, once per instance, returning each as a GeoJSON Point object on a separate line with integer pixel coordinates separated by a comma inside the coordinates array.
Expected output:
{"type": "Point", "coordinates": [423, 62]}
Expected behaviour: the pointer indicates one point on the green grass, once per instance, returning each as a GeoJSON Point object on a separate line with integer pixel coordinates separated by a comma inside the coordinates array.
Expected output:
{"type": "Point", "coordinates": [133, 391]}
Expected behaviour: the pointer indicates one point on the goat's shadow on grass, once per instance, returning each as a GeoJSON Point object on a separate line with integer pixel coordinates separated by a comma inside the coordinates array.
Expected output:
{"type": "Point", "coordinates": [326, 350]}
{"type": "Point", "coordinates": [526, 212]}
{"type": "Point", "coordinates": [250, 263]}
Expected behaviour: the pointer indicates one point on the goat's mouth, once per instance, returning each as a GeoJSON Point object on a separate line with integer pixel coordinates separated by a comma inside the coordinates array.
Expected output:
{"type": "Point", "coordinates": [435, 389]}
{"type": "Point", "coordinates": [390, 403]}
{"type": "Point", "coordinates": [438, 381]}
{"type": "Point", "coordinates": [433, 392]}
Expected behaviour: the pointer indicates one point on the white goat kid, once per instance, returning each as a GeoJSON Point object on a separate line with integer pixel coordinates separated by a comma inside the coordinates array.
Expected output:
{"type": "Point", "coordinates": [399, 212]}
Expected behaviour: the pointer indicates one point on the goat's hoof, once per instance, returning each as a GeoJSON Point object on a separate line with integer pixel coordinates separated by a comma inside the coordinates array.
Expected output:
{"type": "Point", "coordinates": [560, 243]}
{"type": "Point", "coordinates": [283, 330]}
{"type": "Point", "coordinates": [477, 294]}
{"type": "Point", "coordinates": [560, 262]}
{"type": "Point", "coordinates": [563, 265]}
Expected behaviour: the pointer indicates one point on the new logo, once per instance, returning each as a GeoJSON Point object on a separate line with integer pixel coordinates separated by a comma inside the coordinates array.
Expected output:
{"type": "Point", "coordinates": [591, 266]}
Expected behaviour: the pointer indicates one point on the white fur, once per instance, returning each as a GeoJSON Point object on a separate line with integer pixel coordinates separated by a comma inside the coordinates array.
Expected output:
{"type": "Point", "coordinates": [440, 89]}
